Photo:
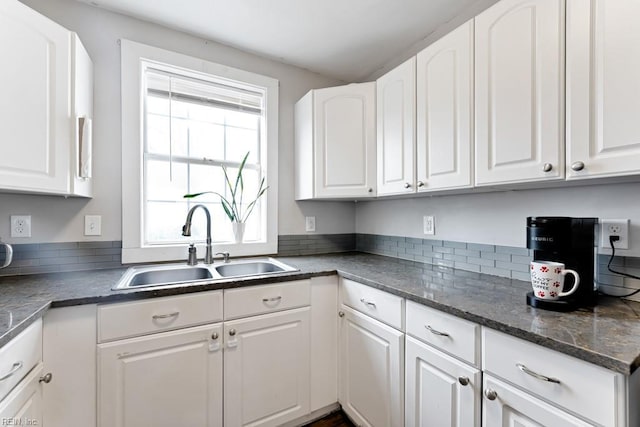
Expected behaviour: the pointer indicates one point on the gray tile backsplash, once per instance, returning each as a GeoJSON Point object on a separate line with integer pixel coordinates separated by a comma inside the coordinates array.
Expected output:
{"type": "Point", "coordinates": [33, 258]}
{"type": "Point", "coordinates": [313, 244]}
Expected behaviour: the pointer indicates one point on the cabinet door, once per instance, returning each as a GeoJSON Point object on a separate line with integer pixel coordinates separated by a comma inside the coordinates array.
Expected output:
{"type": "Point", "coordinates": [440, 390]}
{"type": "Point", "coordinates": [371, 371]}
{"type": "Point", "coordinates": [266, 369]}
{"type": "Point", "coordinates": [444, 111]}
{"type": "Point", "coordinates": [519, 89]}
{"type": "Point", "coordinates": [603, 89]}
{"type": "Point", "coordinates": [512, 407]}
{"type": "Point", "coordinates": [23, 406]}
{"type": "Point", "coordinates": [34, 106]}
{"type": "Point", "coordinates": [167, 379]}
{"type": "Point", "coordinates": [396, 106]}
{"type": "Point", "coordinates": [345, 141]}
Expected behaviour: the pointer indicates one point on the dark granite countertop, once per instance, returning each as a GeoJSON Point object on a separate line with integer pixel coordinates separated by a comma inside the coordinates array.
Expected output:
{"type": "Point", "coordinates": [607, 335]}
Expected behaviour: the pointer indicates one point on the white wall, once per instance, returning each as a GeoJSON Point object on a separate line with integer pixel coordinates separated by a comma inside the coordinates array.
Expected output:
{"type": "Point", "coordinates": [56, 219]}
{"type": "Point", "coordinates": [500, 217]}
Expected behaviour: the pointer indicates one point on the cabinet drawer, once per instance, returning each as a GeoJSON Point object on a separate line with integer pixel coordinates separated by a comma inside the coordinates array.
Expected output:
{"type": "Point", "coordinates": [583, 389]}
{"type": "Point", "coordinates": [378, 304]}
{"type": "Point", "coordinates": [131, 319]}
{"type": "Point", "coordinates": [453, 335]}
{"type": "Point", "coordinates": [19, 356]}
{"type": "Point", "coordinates": [253, 300]}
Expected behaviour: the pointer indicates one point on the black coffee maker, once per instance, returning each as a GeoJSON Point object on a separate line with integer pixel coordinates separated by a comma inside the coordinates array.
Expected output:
{"type": "Point", "coordinates": [570, 241]}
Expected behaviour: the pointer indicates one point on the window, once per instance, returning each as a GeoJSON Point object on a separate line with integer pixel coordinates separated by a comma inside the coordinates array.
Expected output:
{"type": "Point", "coordinates": [183, 119]}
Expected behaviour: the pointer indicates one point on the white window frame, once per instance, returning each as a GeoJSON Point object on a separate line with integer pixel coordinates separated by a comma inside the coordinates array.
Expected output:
{"type": "Point", "coordinates": [134, 249]}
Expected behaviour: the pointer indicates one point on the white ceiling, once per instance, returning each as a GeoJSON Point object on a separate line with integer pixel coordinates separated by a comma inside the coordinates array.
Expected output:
{"type": "Point", "coordinates": [346, 39]}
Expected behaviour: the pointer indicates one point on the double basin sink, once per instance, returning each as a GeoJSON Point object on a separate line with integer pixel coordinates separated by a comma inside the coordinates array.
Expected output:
{"type": "Point", "coordinates": [180, 274]}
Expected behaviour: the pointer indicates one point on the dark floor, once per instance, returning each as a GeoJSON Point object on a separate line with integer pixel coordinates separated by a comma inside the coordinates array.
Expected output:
{"type": "Point", "coordinates": [337, 419]}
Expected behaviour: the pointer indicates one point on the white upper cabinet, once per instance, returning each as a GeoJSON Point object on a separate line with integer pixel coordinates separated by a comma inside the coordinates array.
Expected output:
{"type": "Point", "coordinates": [335, 145]}
{"type": "Point", "coordinates": [42, 61]}
{"type": "Point", "coordinates": [519, 87]}
{"type": "Point", "coordinates": [444, 111]}
{"type": "Point", "coordinates": [396, 106]}
{"type": "Point", "coordinates": [603, 88]}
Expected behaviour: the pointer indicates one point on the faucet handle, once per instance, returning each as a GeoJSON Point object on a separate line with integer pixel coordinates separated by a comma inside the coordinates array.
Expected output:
{"type": "Point", "coordinates": [225, 256]}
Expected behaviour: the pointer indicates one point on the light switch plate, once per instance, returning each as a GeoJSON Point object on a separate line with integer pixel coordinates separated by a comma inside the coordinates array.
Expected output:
{"type": "Point", "coordinates": [310, 223]}
{"type": "Point", "coordinates": [429, 224]}
{"type": "Point", "coordinates": [93, 225]}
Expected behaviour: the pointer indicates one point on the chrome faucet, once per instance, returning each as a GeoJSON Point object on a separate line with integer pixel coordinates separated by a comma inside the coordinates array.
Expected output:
{"type": "Point", "coordinates": [186, 231]}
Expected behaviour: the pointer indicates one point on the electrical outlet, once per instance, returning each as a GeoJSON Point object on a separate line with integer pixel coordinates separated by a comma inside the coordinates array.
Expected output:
{"type": "Point", "coordinates": [93, 225]}
{"type": "Point", "coordinates": [20, 225]}
{"type": "Point", "coordinates": [614, 227]}
{"type": "Point", "coordinates": [429, 224]}
{"type": "Point", "coordinates": [310, 223]}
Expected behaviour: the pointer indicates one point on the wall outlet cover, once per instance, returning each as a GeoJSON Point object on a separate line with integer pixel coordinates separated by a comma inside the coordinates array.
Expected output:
{"type": "Point", "coordinates": [614, 227]}
{"type": "Point", "coordinates": [20, 225]}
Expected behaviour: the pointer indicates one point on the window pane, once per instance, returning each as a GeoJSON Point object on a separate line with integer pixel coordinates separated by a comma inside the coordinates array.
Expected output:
{"type": "Point", "coordinates": [162, 183]}
{"type": "Point", "coordinates": [157, 134]}
{"type": "Point", "coordinates": [239, 142]}
{"type": "Point", "coordinates": [206, 140]}
{"type": "Point", "coordinates": [164, 221]}
{"type": "Point", "coordinates": [206, 178]}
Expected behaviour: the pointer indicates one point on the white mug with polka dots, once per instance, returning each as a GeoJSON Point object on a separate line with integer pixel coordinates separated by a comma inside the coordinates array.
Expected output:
{"type": "Point", "coordinates": [547, 280]}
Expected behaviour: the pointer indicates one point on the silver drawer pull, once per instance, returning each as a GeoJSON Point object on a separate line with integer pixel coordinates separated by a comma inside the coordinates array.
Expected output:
{"type": "Point", "coordinates": [16, 366]}
{"type": "Point", "coordinates": [369, 303]}
{"type": "Point", "coordinates": [436, 332]}
{"type": "Point", "coordinates": [274, 299]}
{"type": "Point", "coordinates": [536, 375]}
{"type": "Point", "coordinates": [165, 316]}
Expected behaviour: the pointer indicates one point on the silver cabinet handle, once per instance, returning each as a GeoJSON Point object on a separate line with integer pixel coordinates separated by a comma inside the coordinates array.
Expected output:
{"type": "Point", "coordinates": [46, 378]}
{"type": "Point", "coordinates": [15, 368]}
{"type": "Point", "coordinates": [214, 336]}
{"type": "Point", "coordinates": [274, 299]}
{"type": "Point", "coordinates": [370, 190]}
{"type": "Point", "coordinates": [537, 375]}
{"type": "Point", "coordinates": [547, 167]}
{"type": "Point", "coordinates": [232, 332]}
{"type": "Point", "coordinates": [463, 380]}
{"type": "Point", "coordinates": [341, 313]}
{"type": "Point", "coordinates": [165, 316]}
{"type": "Point", "coordinates": [369, 303]}
{"type": "Point", "coordinates": [420, 184]}
{"type": "Point", "coordinates": [407, 185]}
{"type": "Point", "coordinates": [577, 166]}
{"type": "Point", "coordinates": [490, 394]}
{"type": "Point", "coordinates": [436, 332]}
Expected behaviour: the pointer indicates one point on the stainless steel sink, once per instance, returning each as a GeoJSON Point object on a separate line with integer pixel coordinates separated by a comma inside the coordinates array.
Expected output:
{"type": "Point", "coordinates": [183, 275]}
{"type": "Point", "coordinates": [252, 268]}
{"type": "Point", "coordinates": [162, 275]}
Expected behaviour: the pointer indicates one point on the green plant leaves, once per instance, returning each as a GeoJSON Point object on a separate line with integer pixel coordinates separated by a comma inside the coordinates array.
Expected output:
{"type": "Point", "coordinates": [233, 207]}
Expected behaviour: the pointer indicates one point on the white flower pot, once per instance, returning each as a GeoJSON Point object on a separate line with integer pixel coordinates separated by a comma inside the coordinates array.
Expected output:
{"type": "Point", "coordinates": [238, 231]}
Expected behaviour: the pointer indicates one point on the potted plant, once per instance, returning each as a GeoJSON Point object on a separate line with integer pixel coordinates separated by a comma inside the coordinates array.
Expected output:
{"type": "Point", "coordinates": [232, 204]}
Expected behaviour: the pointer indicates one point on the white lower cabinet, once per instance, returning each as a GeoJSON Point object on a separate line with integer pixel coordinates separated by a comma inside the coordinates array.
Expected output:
{"type": "Point", "coordinates": [440, 390]}
{"type": "Point", "coordinates": [23, 406]}
{"type": "Point", "coordinates": [166, 379]}
{"type": "Point", "coordinates": [266, 369]}
{"type": "Point", "coordinates": [371, 370]}
{"type": "Point", "coordinates": [504, 405]}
